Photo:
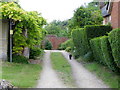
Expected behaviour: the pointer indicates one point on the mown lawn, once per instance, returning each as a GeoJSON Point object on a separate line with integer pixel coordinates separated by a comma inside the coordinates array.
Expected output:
{"type": "Point", "coordinates": [21, 75]}
{"type": "Point", "coordinates": [110, 78]}
{"type": "Point", "coordinates": [63, 68]}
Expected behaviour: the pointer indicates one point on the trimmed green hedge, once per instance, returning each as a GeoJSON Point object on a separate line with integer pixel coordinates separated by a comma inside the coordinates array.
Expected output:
{"type": "Point", "coordinates": [102, 52]}
{"type": "Point", "coordinates": [114, 39]}
{"type": "Point", "coordinates": [80, 41]}
{"type": "Point", "coordinates": [93, 31]}
{"type": "Point", "coordinates": [95, 44]}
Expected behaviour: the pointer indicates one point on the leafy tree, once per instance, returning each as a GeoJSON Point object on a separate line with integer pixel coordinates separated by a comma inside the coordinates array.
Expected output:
{"type": "Point", "coordinates": [86, 15]}
{"type": "Point", "coordinates": [58, 28]}
{"type": "Point", "coordinates": [28, 30]}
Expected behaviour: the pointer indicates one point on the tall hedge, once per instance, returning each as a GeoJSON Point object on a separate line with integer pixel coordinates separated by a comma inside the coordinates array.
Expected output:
{"type": "Point", "coordinates": [95, 44]}
{"type": "Point", "coordinates": [80, 41]}
{"type": "Point", "coordinates": [102, 51]}
{"type": "Point", "coordinates": [114, 39]}
{"type": "Point", "coordinates": [93, 31]}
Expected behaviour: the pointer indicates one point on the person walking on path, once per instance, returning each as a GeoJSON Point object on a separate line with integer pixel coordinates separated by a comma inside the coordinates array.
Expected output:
{"type": "Point", "coordinates": [70, 56]}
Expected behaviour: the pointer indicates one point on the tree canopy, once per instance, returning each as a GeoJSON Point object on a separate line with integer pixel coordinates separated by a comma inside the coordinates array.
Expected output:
{"type": "Point", "coordinates": [58, 28]}
{"type": "Point", "coordinates": [86, 15]}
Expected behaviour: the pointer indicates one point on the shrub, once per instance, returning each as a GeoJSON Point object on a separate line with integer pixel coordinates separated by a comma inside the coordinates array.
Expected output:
{"type": "Point", "coordinates": [20, 59]}
{"type": "Point", "coordinates": [80, 41]}
{"type": "Point", "coordinates": [35, 52]}
{"type": "Point", "coordinates": [114, 39]}
{"type": "Point", "coordinates": [88, 56]}
{"type": "Point", "coordinates": [68, 49]}
{"type": "Point", "coordinates": [66, 44]}
{"type": "Point", "coordinates": [48, 45]}
{"type": "Point", "coordinates": [102, 52]}
{"type": "Point", "coordinates": [93, 31]}
{"type": "Point", "coordinates": [96, 48]}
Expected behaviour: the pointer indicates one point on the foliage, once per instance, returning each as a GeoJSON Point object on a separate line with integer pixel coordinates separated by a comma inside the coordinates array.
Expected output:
{"type": "Point", "coordinates": [21, 75]}
{"type": "Point", "coordinates": [80, 41]}
{"type": "Point", "coordinates": [35, 52]}
{"type": "Point", "coordinates": [20, 59]}
{"type": "Point", "coordinates": [102, 52]}
{"type": "Point", "coordinates": [48, 45]}
{"type": "Point", "coordinates": [88, 56]}
{"type": "Point", "coordinates": [96, 48]}
{"type": "Point", "coordinates": [86, 15]}
{"type": "Point", "coordinates": [25, 22]}
{"type": "Point", "coordinates": [68, 43]}
{"type": "Point", "coordinates": [68, 49]}
{"type": "Point", "coordinates": [114, 39]}
{"type": "Point", "coordinates": [97, 30]}
{"type": "Point", "coordinates": [58, 28]}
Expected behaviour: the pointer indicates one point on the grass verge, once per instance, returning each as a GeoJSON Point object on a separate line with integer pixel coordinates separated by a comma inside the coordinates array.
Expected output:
{"type": "Point", "coordinates": [21, 75]}
{"type": "Point", "coordinates": [109, 78]}
{"type": "Point", "coordinates": [63, 68]}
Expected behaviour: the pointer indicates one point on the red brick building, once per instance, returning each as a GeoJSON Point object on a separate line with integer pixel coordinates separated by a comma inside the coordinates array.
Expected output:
{"type": "Point", "coordinates": [111, 13]}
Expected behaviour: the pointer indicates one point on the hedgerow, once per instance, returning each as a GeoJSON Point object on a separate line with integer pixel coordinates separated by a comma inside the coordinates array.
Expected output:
{"type": "Point", "coordinates": [102, 52]}
{"type": "Point", "coordinates": [80, 41]}
{"type": "Point", "coordinates": [114, 39]}
{"type": "Point", "coordinates": [93, 31]}
{"type": "Point", "coordinates": [95, 44]}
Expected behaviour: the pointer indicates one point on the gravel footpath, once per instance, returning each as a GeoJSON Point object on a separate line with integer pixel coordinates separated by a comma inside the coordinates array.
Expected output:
{"type": "Point", "coordinates": [83, 78]}
{"type": "Point", "coordinates": [48, 77]}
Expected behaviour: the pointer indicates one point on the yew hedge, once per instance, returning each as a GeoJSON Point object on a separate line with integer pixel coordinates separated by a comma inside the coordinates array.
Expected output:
{"type": "Point", "coordinates": [114, 39]}
{"type": "Point", "coordinates": [80, 41]}
{"type": "Point", "coordinates": [102, 52]}
{"type": "Point", "coordinates": [93, 31]}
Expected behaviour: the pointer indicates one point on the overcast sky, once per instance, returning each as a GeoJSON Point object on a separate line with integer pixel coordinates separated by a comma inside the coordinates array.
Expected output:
{"type": "Point", "coordinates": [53, 9]}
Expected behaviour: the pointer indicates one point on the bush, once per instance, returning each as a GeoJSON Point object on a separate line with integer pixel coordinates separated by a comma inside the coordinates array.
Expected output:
{"type": "Point", "coordinates": [88, 56]}
{"type": "Point", "coordinates": [95, 44]}
{"type": "Point", "coordinates": [102, 52]}
{"type": "Point", "coordinates": [35, 52]}
{"type": "Point", "coordinates": [20, 59]}
{"type": "Point", "coordinates": [48, 45]}
{"type": "Point", "coordinates": [68, 43]}
{"type": "Point", "coordinates": [114, 39]}
{"type": "Point", "coordinates": [68, 49]}
{"type": "Point", "coordinates": [93, 31]}
{"type": "Point", "coordinates": [80, 41]}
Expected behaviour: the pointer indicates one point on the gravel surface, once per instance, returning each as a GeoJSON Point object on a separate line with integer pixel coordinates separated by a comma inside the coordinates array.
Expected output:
{"type": "Point", "coordinates": [48, 77]}
{"type": "Point", "coordinates": [83, 77]}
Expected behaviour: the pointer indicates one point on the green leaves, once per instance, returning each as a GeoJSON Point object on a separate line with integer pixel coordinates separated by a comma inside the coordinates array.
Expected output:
{"type": "Point", "coordinates": [28, 26]}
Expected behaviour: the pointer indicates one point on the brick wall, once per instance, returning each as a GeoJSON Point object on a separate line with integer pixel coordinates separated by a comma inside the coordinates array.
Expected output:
{"type": "Point", "coordinates": [56, 41]}
{"type": "Point", "coordinates": [115, 14]}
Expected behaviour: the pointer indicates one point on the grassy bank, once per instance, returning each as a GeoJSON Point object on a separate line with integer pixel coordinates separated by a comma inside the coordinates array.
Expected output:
{"type": "Point", "coordinates": [21, 75]}
{"type": "Point", "coordinates": [63, 68]}
{"type": "Point", "coordinates": [110, 78]}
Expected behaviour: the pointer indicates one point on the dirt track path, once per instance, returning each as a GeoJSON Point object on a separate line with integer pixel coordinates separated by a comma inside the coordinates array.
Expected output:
{"type": "Point", "coordinates": [48, 77]}
{"type": "Point", "coordinates": [83, 78]}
